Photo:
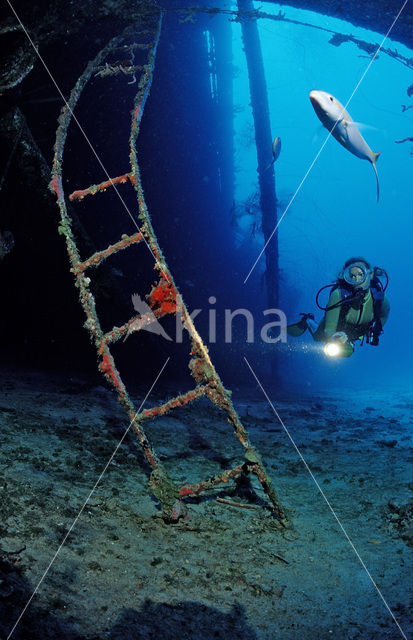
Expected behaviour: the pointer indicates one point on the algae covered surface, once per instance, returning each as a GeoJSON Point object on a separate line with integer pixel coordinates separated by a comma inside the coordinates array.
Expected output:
{"type": "Point", "coordinates": [222, 571]}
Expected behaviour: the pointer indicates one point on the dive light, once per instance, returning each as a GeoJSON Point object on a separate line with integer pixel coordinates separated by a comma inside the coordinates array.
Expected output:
{"type": "Point", "coordinates": [338, 346]}
{"type": "Point", "coordinates": [332, 349]}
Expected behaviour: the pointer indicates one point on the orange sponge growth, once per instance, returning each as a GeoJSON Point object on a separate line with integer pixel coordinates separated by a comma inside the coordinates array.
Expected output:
{"type": "Point", "coordinates": [163, 297]}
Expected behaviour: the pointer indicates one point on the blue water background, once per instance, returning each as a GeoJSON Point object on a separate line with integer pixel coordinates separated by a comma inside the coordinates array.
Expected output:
{"type": "Point", "coordinates": [335, 214]}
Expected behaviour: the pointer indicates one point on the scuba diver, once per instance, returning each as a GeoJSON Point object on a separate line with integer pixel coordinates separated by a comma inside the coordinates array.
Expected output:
{"type": "Point", "coordinates": [357, 309]}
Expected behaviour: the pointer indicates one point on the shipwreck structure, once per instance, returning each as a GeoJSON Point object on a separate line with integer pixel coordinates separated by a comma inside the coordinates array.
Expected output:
{"type": "Point", "coordinates": [164, 297]}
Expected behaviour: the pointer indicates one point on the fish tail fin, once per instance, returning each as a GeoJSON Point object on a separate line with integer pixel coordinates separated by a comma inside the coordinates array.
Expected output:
{"type": "Point", "coordinates": [374, 162]}
{"type": "Point", "coordinates": [269, 165]}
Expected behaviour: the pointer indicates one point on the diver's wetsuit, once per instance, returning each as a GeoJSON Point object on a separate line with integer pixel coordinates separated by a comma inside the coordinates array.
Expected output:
{"type": "Point", "coordinates": [355, 320]}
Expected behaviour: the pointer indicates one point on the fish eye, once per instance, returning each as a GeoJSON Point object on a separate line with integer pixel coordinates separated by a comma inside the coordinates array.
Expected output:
{"type": "Point", "coordinates": [331, 98]}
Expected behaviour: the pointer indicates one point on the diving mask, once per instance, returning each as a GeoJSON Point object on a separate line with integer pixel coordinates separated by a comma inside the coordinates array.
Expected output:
{"type": "Point", "coordinates": [356, 274]}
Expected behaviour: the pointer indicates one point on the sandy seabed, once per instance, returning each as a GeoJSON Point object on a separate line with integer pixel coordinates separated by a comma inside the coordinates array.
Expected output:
{"type": "Point", "coordinates": [222, 572]}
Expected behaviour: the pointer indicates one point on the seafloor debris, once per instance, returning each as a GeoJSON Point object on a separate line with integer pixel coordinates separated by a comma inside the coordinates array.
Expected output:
{"type": "Point", "coordinates": [400, 519]}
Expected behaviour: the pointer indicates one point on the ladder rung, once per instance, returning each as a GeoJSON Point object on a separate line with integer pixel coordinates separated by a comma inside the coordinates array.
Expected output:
{"type": "Point", "coordinates": [134, 324]}
{"type": "Point", "coordinates": [137, 45]}
{"type": "Point", "coordinates": [115, 69]}
{"type": "Point", "coordinates": [99, 256]}
{"type": "Point", "coordinates": [199, 487]}
{"type": "Point", "coordinates": [126, 47]}
{"type": "Point", "coordinates": [174, 403]}
{"type": "Point", "coordinates": [94, 188]}
{"type": "Point", "coordinates": [143, 46]}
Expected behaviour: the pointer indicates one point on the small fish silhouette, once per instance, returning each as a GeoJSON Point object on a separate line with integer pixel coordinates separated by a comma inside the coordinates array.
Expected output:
{"type": "Point", "coordinates": [276, 150]}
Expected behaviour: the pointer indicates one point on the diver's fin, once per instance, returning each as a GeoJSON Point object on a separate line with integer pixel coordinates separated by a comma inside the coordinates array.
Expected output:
{"type": "Point", "coordinates": [296, 329]}
{"type": "Point", "coordinates": [300, 327]}
{"type": "Point", "coordinates": [374, 162]}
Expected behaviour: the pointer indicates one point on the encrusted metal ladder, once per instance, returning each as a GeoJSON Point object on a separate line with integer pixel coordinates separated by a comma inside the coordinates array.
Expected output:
{"type": "Point", "coordinates": [163, 298]}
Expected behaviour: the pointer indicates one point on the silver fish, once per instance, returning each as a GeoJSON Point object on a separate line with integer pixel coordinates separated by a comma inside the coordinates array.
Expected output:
{"type": "Point", "coordinates": [332, 114]}
{"type": "Point", "coordinates": [276, 150]}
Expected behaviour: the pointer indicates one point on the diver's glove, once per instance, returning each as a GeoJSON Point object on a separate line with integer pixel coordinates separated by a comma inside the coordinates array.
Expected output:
{"type": "Point", "coordinates": [339, 336]}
